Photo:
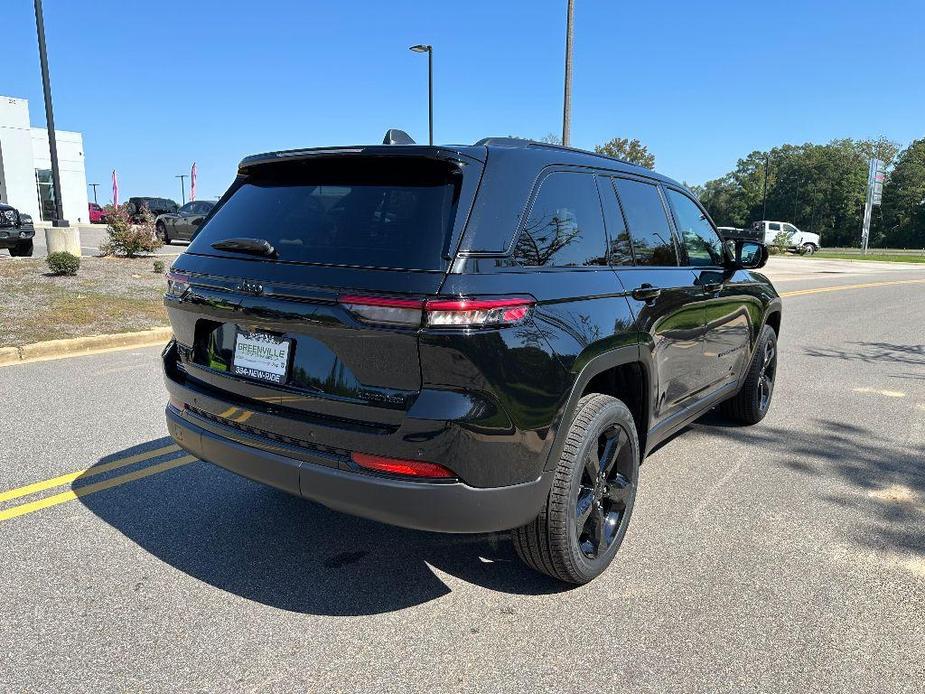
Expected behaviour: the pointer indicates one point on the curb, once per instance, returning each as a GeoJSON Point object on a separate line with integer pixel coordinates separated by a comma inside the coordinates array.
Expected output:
{"type": "Point", "coordinates": [78, 346]}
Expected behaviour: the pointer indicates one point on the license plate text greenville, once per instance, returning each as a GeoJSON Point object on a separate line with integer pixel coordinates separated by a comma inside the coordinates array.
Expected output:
{"type": "Point", "coordinates": [260, 351]}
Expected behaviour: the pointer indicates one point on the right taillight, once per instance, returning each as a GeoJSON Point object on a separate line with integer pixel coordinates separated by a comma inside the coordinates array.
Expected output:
{"type": "Point", "coordinates": [477, 313]}
{"type": "Point", "coordinates": [443, 312]}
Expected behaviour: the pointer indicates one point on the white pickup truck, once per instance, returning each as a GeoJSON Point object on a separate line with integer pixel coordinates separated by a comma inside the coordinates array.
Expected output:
{"type": "Point", "coordinates": [800, 241]}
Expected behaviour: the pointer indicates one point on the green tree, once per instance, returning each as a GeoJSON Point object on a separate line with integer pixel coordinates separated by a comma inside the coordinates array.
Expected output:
{"type": "Point", "coordinates": [632, 151]}
{"type": "Point", "coordinates": [904, 199]}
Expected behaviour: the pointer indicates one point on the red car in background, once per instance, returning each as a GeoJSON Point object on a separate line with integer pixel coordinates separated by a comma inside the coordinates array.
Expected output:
{"type": "Point", "coordinates": [96, 214]}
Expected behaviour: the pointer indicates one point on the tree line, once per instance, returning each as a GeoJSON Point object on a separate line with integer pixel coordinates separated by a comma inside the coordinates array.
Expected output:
{"type": "Point", "coordinates": [822, 189]}
{"type": "Point", "coordinates": [818, 188]}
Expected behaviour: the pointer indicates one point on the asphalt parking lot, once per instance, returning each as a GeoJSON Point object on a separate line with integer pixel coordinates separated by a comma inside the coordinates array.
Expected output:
{"type": "Point", "coordinates": [789, 556]}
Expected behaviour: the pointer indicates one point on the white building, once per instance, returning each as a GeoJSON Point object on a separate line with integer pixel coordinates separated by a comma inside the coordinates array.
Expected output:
{"type": "Point", "coordinates": [25, 166]}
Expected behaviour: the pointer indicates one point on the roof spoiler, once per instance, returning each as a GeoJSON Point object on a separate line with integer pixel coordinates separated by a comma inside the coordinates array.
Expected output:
{"type": "Point", "coordinates": [394, 136]}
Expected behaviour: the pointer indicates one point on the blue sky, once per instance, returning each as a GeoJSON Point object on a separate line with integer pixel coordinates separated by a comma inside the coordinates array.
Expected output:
{"type": "Point", "coordinates": [154, 86]}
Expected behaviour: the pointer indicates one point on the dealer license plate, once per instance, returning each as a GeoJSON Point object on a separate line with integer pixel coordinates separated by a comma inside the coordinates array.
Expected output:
{"type": "Point", "coordinates": [261, 356]}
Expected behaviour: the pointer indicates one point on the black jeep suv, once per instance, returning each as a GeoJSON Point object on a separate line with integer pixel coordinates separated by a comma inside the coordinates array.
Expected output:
{"type": "Point", "coordinates": [463, 338]}
{"type": "Point", "coordinates": [16, 231]}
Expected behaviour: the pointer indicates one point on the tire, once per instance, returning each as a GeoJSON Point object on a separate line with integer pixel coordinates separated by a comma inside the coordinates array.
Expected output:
{"type": "Point", "coordinates": [563, 543]}
{"type": "Point", "coordinates": [808, 249]}
{"type": "Point", "coordinates": [752, 402]}
{"type": "Point", "coordinates": [22, 250]}
{"type": "Point", "coordinates": [161, 232]}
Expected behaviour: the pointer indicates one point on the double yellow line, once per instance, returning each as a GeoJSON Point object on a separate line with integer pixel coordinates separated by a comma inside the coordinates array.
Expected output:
{"type": "Point", "coordinates": [840, 287]}
{"type": "Point", "coordinates": [70, 494]}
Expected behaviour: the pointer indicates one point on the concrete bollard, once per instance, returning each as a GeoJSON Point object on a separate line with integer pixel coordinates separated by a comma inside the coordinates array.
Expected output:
{"type": "Point", "coordinates": [63, 239]}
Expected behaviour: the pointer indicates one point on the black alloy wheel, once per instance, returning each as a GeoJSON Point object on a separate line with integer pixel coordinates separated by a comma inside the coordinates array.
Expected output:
{"type": "Point", "coordinates": [606, 485]}
{"type": "Point", "coordinates": [752, 402]}
{"type": "Point", "coordinates": [586, 515]}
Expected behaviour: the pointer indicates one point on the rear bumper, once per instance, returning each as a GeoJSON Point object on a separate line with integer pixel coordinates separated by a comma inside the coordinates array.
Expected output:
{"type": "Point", "coordinates": [452, 507]}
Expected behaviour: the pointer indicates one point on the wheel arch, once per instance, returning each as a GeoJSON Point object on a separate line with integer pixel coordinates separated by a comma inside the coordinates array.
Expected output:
{"type": "Point", "coordinates": [624, 373]}
{"type": "Point", "coordinates": [772, 316]}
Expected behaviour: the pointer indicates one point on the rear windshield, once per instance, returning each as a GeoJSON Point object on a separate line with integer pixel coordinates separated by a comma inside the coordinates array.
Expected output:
{"type": "Point", "coordinates": [391, 212]}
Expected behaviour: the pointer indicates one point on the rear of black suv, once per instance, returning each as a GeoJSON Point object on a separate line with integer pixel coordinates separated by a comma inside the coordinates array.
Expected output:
{"type": "Point", "coordinates": [325, 360]}
{"type": "Point", "coordinates": [463, 339]}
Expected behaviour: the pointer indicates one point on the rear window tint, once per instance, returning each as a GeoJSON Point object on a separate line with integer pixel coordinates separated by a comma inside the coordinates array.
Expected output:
{"type": "Point", "coordinates": [648, 223]}
{"type": "Point", "coordinates": [382, 212]}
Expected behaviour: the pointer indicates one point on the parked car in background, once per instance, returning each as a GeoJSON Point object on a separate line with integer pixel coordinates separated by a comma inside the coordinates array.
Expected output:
{"type": "Point", "coordinates": [798, 241]}
{"type": "Point", "coordinates": [97, 215]}
{"type": "Point", "coordinates": [16, 231]}
{"type": "Point", "coordinates": [155, 206]}
{"type": "Point", "coordinates": [182, 224]}
{"type": "Point", "coordinates": [463, 338]}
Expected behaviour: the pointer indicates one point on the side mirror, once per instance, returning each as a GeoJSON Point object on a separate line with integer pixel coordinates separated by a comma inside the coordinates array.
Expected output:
{"type": "Point", "coordinates": [745, 255]}
{"type": "Point", "coordinates": [751, 255]}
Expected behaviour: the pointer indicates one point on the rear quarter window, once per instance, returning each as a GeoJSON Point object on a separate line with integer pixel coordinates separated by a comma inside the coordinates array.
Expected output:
{"type": "Point", "coordinates": [565, 227]}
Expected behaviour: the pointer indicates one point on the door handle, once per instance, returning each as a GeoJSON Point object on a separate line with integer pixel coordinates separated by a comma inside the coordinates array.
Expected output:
{"type": "Point", "coordinates": [646, 292]}
{"type": "Point", "coordinates": [712, 287]}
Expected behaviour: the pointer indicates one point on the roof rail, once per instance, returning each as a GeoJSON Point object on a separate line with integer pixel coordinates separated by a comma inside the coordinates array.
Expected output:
{"type": "Point", "coordinates": [524, 142]}
{"type": "Point", "coordinates": [506, 141]}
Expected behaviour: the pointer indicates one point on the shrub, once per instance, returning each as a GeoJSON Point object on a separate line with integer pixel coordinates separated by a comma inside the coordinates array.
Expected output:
{"type": "Point", "coordinates": [780, 244]}
{"type": "Point", "coordinates": [159, 266]}
{"type": "Point", "coordinates": [63, 263]}
{"type": "Point", "coordinates": [127, 238]}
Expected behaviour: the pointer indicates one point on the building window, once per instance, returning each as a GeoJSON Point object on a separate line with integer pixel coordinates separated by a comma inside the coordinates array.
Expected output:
{"type": "Point", "coordinates": [46, 191]}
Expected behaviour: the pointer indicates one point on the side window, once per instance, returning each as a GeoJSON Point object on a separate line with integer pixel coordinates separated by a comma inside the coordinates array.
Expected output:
{"type": "Point", "coordinates": [565, 227]}
{"type": "Point", "coordinates": [202, 208]}
{"type": "Point", "coordinates": [773, 226]}
{"type": "Point", "coordinates": [648, 224]}
{"type": "Point", "coordinates": [789, 228]}
{"type": "Point", "coordinates": [701, 242]}
{"type": "Point", "coordinates": [187, 208]}
{"type": "Point", "coordinates": [621, 249]}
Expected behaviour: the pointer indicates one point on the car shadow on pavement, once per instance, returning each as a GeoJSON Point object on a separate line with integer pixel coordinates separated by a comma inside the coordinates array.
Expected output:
{"type": "Point", "coordinates": [872, 352]}
{"type": "Point", "coordinates": [268, 546]}
{"type": "Point", "coordinates": [879, 477]}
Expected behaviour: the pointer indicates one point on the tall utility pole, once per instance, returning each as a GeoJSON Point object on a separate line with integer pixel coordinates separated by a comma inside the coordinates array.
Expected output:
{"type": "Point", "coordinates": [94, 185]}
{"type": "Point", "coordinates": [182, 178]}
{"type": "Point", "coordinates": [764, 205]}
{"type": "Point", "coordinates": [567, 101]}
{"type": "Point", "coordinates": [59, 220]}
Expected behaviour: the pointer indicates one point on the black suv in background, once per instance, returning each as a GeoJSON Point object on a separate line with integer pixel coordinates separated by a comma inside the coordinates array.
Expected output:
{"type": "Point", "coordinates": [16, 231]}
{"type": "Point", "coordinates": [156, 206]}
{"type": "Point", "coordinates": [463, 338]}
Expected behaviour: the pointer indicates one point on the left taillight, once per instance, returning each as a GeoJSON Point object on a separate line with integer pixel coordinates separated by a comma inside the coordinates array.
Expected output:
{"type": "Point", "coordinates": [177, 284]}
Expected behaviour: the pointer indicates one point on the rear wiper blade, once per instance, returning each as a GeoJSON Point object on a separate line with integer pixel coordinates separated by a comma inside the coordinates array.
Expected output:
{"type": "Point", "coordinates": [247, 245]}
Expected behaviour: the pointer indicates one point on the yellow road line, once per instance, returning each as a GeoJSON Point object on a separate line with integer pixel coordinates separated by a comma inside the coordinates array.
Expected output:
{"type": "Point", "coordinates": [72, 494]}
{"type": "Point", "coordinates": [840, 287]}
{"type": "Point", "coordinates": [89, 472]}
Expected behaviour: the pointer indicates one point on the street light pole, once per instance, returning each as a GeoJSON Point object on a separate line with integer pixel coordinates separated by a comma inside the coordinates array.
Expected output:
{"type": "Point", "coordinates": [182, 178]}
{"type": "Point", "coordinates": [94, 185]}
{"type": "Point", "coordinates": [59, 220]}
{"type": "Point", "coordinates": [427, 48]}
{"type": "Point", "coordinates": [567, 101]}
